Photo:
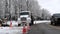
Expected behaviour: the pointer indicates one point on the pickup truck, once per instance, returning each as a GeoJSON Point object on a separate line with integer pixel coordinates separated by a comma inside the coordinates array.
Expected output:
{"type": "Point", "coordinates": [55, 19]}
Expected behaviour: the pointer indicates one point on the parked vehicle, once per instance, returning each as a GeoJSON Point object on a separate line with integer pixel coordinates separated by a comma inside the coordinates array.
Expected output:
{"type": "Point", "coordinates": [55, 19]}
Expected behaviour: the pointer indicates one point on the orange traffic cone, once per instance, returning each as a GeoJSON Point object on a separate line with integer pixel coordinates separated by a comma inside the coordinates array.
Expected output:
{"type": "Point", "coordinates": [24, 30]}
{"type": "Point", "coordinates": [10, 24]}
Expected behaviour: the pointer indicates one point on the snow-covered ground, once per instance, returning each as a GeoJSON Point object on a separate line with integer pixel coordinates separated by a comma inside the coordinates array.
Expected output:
{"type": "Point", "coordinates": [14, 23]}
{"type": "Point", "coordinates": [11, 30]}
{"type": "Point", "coordinates": [42, 21]}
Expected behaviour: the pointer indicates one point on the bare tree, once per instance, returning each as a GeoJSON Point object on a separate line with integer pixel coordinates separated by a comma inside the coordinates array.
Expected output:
{"type": "Point", "coordinates": [34, 7]}
{"type": "Point", "coordinates": [45, 13]}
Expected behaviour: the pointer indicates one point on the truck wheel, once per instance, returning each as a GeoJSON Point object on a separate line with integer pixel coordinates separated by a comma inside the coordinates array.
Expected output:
{"type": "Point", "coordinates": [19, 24]}
{"type": "Point", "coordinates": [30, 24]}
{"type": "Point", "coordinates": [54, 24]}
{"type": "Point", "coordinates": [51, 23]}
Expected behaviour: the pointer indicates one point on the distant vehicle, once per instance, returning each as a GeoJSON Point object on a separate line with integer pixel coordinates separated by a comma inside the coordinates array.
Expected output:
{"type": "Point", "coordinates": [25, 17]}
{"type": "Point", "coordinates": [55, 19]}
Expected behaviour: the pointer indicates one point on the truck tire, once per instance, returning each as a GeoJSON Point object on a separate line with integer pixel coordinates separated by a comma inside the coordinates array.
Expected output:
{"type": "Point", "coordinates": [54, 24]}
{"type": "Point", "coordinates": [31, 23]}
{"type": "Point", "coordinates": [51, 23]}
{"type": "Point", "coordinates": [19, 24]}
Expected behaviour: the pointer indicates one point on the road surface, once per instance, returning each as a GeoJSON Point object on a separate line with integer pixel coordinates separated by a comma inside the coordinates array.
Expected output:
{"type": "Point", "coordinates": [43, 28]}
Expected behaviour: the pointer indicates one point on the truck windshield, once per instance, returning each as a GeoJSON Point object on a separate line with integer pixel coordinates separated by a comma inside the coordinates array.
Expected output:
{"type": "Point", "coordinates": [57, 15]}
{"type": "Point", "coordinates": [24, 13]}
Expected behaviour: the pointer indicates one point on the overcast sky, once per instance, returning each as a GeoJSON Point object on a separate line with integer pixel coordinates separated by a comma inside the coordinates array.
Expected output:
{"type": "Point", "coordinates": [51, 5]}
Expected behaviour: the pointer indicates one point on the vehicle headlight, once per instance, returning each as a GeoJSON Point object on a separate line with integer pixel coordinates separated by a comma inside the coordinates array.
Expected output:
{"type": "Point", "coordinates": [29, 19]}
{"type": "Point", "coordinates": [19, 19]}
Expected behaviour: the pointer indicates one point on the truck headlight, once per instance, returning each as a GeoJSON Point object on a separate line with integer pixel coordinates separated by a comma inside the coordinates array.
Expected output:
{"type": "Point", "coordinates": [29, 19]}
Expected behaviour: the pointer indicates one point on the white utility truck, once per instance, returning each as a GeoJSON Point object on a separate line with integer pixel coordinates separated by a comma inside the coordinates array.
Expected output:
{"type": "Point", "coordinates": [25, 17]}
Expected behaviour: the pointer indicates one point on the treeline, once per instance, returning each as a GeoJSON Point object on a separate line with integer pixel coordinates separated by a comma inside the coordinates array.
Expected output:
{"type": "Point", "coordinates": [15, 6]}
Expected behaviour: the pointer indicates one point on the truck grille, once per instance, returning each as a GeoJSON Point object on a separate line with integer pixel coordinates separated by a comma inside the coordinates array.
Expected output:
{"type": "Point", "coordinates": [58, 18]}
{"type": "Point", "coordinates": [23, 19]}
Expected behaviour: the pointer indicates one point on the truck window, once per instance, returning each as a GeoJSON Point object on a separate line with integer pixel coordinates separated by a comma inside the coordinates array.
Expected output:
{"type": "Point", "coordinates": [56, 15]}
{"type": "Point", "coordinates": [24, 13]}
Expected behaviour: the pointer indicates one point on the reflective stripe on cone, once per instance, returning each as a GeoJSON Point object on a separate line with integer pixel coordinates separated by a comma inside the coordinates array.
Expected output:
{"type": "Point", "coordinates": [10, 24]}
